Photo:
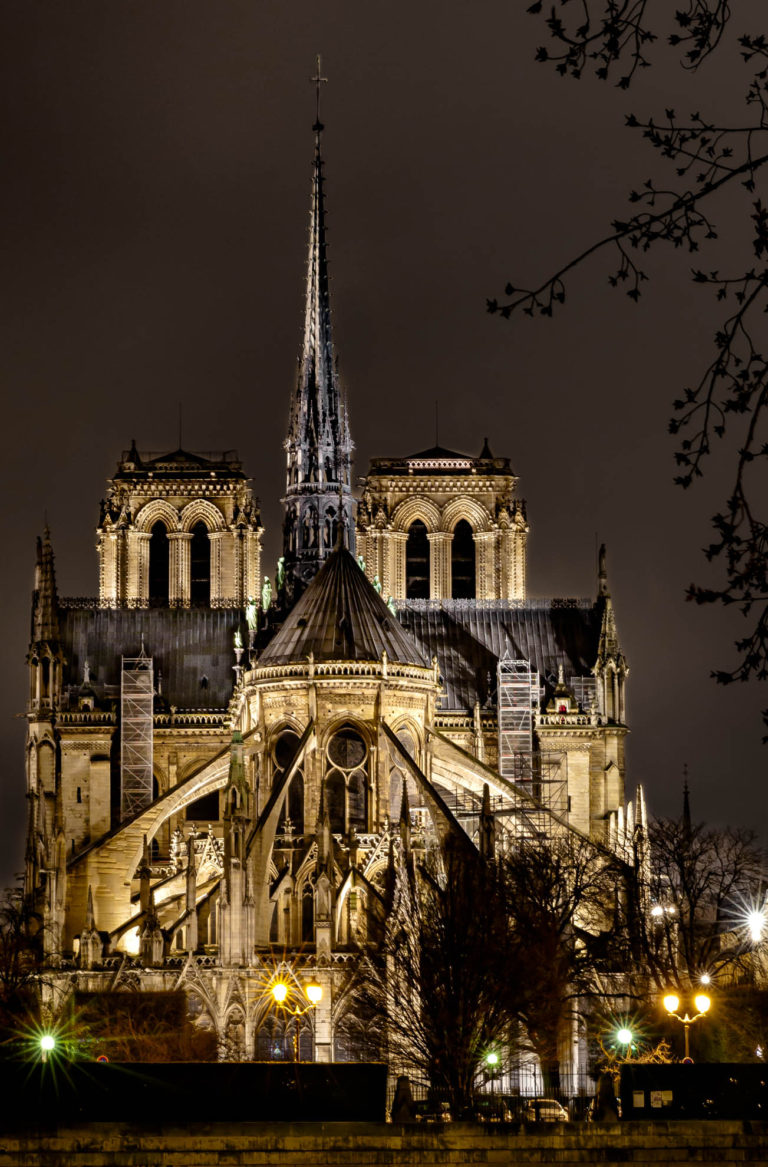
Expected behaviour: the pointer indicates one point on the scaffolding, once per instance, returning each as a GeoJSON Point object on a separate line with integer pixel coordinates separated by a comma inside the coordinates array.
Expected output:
{"type": "Point", "coordinates": [515, 716]}
{"type": "Point", "coordinates": [536, 809]}
{"type": "Point", "coordinates": [544, 776]}
{"type": "Point", "coordinates": [136, 726]}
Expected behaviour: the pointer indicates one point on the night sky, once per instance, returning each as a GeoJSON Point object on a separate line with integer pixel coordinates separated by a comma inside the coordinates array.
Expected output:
{"type": "Point", "coordinates": [153, 222]}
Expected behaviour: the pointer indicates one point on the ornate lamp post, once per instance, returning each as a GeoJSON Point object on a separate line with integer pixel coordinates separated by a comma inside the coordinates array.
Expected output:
{"type": "Point", "coordinates": [672, 1004]}
{"type": "Point", "coordinates": [280, 994]}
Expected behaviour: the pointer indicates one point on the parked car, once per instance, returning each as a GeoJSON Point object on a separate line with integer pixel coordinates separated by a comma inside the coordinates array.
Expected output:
{"type": "Point", "coordinates": [543, 1110]}
{"type": "Point", "coordinates": [430, 1111]}
{"type": "Point", "coordinates": [491, 1108]}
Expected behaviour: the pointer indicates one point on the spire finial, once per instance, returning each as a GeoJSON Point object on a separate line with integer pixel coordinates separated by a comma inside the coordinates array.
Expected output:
{"type": "Point", "coordinates": [318, 80]}
{"type": "Point", "coordinates": [686, 800]}
{"type": "Point", "coordinates": [602, 572]}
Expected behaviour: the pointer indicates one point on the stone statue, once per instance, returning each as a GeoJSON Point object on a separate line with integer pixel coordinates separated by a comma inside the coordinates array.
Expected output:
{"type": "Point", "coordinates": [280, 577]}
{"type": "Point", "coordinates": [361, 563]}
{"type": "Point", "coordinates": [377, 584]}
{"type": "Point", "coordinates": [266, 594]}
{"type": "Point", "coordinates": [238, 640]}
{"type": "Point", "coordinates": [251, 615]}
{"type": "Point", "coordinates": [391, 605]}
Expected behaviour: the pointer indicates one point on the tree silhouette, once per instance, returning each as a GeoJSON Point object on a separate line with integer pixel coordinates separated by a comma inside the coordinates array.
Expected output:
{"type": "Point", "coordinates": [614, 39]}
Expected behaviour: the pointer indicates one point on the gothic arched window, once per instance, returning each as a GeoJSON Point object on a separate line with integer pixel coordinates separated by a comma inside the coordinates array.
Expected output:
{"type": "Point", "coordinates": [158, 565]}
{"type": "Point", "coordinates": [417, 562]}
{"type": "Point", "coordinates": [293, 807]}
{"type": "Point", "coordinates": [200, 566]}
{"type": "Point", "coordinates": [346, 783]}
{"type": "Point", "coordinates": [463, 562]}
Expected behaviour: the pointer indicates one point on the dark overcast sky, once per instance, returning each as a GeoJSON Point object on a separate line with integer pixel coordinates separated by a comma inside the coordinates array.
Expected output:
{"type": "Point", "coordinates": [153, 215]}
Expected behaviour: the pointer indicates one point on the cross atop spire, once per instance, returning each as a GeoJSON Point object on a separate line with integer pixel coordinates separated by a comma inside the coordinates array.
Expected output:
{"type": "Point", "coordinates": [318, 80]}
{"type": "Point", "coordinates": [319, 448]}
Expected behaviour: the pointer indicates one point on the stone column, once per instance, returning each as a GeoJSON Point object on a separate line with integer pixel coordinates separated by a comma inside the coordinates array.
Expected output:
{"type": "Point", "coordinates": [219, 587]}
{"type": "Point", "coordinates": [485, 565]}
{"type": "Point", "coordinates": [440, 564]}
{"type": "Point", "coordinates": [138, 565]}
{"type": "Point", "coordinates": [108, 567]}
{"type": "Point", "coordinates": [178, 568]}
{"type": "Point", "coordinates": [252, 565]}
{"type": "Point", "coordinates": [394, 569]}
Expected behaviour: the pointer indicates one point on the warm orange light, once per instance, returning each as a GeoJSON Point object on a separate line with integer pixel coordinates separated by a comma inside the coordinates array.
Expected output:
{"type": "Point", "coordinates": [702, 1002]}
{"type": "Point", "coordinates": [671, 1003]}
{"type": "Point", "coordinates": [279, 992]}
{"type": "Point", "coordinates": [314, 993]}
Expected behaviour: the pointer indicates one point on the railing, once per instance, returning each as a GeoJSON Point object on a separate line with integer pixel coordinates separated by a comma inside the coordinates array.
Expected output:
{"type": "Point", "coordinates": [566, 719]}
{"type": "Point", "coordinates": [535, 605]}
{"type": "Point", "coordinates": [138, 603]}
{"type": "Point", "coordinates": [87, 717]}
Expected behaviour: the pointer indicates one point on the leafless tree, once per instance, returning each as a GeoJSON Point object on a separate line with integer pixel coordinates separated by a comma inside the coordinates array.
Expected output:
{"type": "Point", "coordinates": [565, 935]}
{"type": "Point", "coordinates": [707, 154]}
{"type": "Point", "coordinates": [693, 897]}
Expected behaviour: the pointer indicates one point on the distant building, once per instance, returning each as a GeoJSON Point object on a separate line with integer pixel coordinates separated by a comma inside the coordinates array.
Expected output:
{"type": "Point", "coordinates": [216, 762]}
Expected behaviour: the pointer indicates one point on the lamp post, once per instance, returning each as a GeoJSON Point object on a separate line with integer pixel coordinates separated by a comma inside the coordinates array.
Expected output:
{"type": "Point", "coordinates": [672, 1004]}
{"type": "Point", "coordinates": [280, 994]}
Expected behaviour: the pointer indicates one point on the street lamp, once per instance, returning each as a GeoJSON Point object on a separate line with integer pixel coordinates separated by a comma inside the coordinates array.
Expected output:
{"type": "Point", "coordinates": [280, 994]}
{"type": "Point", "coordinates": [672, 1004]}
{"type": "Point", "coordinates": [47, 1046]}
{"type": "Point", "coordinates": [625, 1038]}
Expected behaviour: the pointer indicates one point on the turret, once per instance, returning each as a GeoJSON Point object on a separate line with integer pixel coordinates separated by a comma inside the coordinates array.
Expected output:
{"type": "Point", "coordinates": [610, 667]}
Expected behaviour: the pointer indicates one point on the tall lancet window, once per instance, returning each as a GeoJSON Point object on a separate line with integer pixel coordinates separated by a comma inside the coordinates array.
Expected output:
{"type": "Point", "coordinates": [346, 782]}
{"type": "Point", "coordinates": [200, 566]}
{"type": "Point", "coordinates": [417, 562]}
{"type": "Point", "coordinates": [158, 565]}
{"type": "Point", "coordinates": [463, 562]}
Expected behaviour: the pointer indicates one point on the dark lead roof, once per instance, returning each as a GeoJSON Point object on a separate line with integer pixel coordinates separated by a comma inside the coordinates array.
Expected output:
{"type": "Point", "coordinates": [341, 617]}
{"type": "Point", "coordinates": [469, 640]}
{"type": "Point", "coordinates": [192, 648]}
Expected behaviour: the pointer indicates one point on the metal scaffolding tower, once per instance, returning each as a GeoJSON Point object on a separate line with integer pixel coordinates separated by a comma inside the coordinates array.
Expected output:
{"type": "Point", "coordinates": [515, 717]}
{"type": "Point", "coordinates": [136, 726]}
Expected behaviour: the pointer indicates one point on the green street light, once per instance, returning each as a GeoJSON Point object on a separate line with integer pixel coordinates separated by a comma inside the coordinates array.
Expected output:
{"type": "Point", "coordinates": [624, 1036]}
{"type": "Point", "coordinates": [492, 1059]}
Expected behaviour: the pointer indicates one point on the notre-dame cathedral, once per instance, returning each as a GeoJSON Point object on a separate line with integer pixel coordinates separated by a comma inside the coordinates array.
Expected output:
{"type": "Point", "coordinates": [218, 764]}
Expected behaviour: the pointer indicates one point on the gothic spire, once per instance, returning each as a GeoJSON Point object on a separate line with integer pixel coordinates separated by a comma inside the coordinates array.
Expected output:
{"type": "Point", "coordinates": [318, 445]}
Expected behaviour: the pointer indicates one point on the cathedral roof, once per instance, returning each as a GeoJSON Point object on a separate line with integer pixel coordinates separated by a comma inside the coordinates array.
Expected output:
{"type": "Point", "coordinates": [134, 464]}
{"type": "Point", "coordinates": [341, 617]}
{"type": "Point", "coordinates": [469, 639]}
{"type": "Point", "coordinates": [191, 649]}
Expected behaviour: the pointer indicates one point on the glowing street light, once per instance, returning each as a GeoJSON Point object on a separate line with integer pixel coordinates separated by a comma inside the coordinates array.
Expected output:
{"type": "Point", "coordinates": [280, 994]}
{"type": "Point", "coordinates": [624, 1037]}
{"type": "Point", "coordinates": [47, 1046]}
{"type": "Point", "coordinates": [756, 925]}
{"type": "Point", "coordinates": [672, 1004]}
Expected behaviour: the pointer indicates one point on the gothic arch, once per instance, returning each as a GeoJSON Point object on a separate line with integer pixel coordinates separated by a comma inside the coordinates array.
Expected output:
{"type": "Point", "coordinates": [416, 508]}
{"type": "Point", "coordinates": [201, 511]}
{"type": "Point", "coordinates": [469, 509]}
{"type": "Point", "coordinates": [157, 511]}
